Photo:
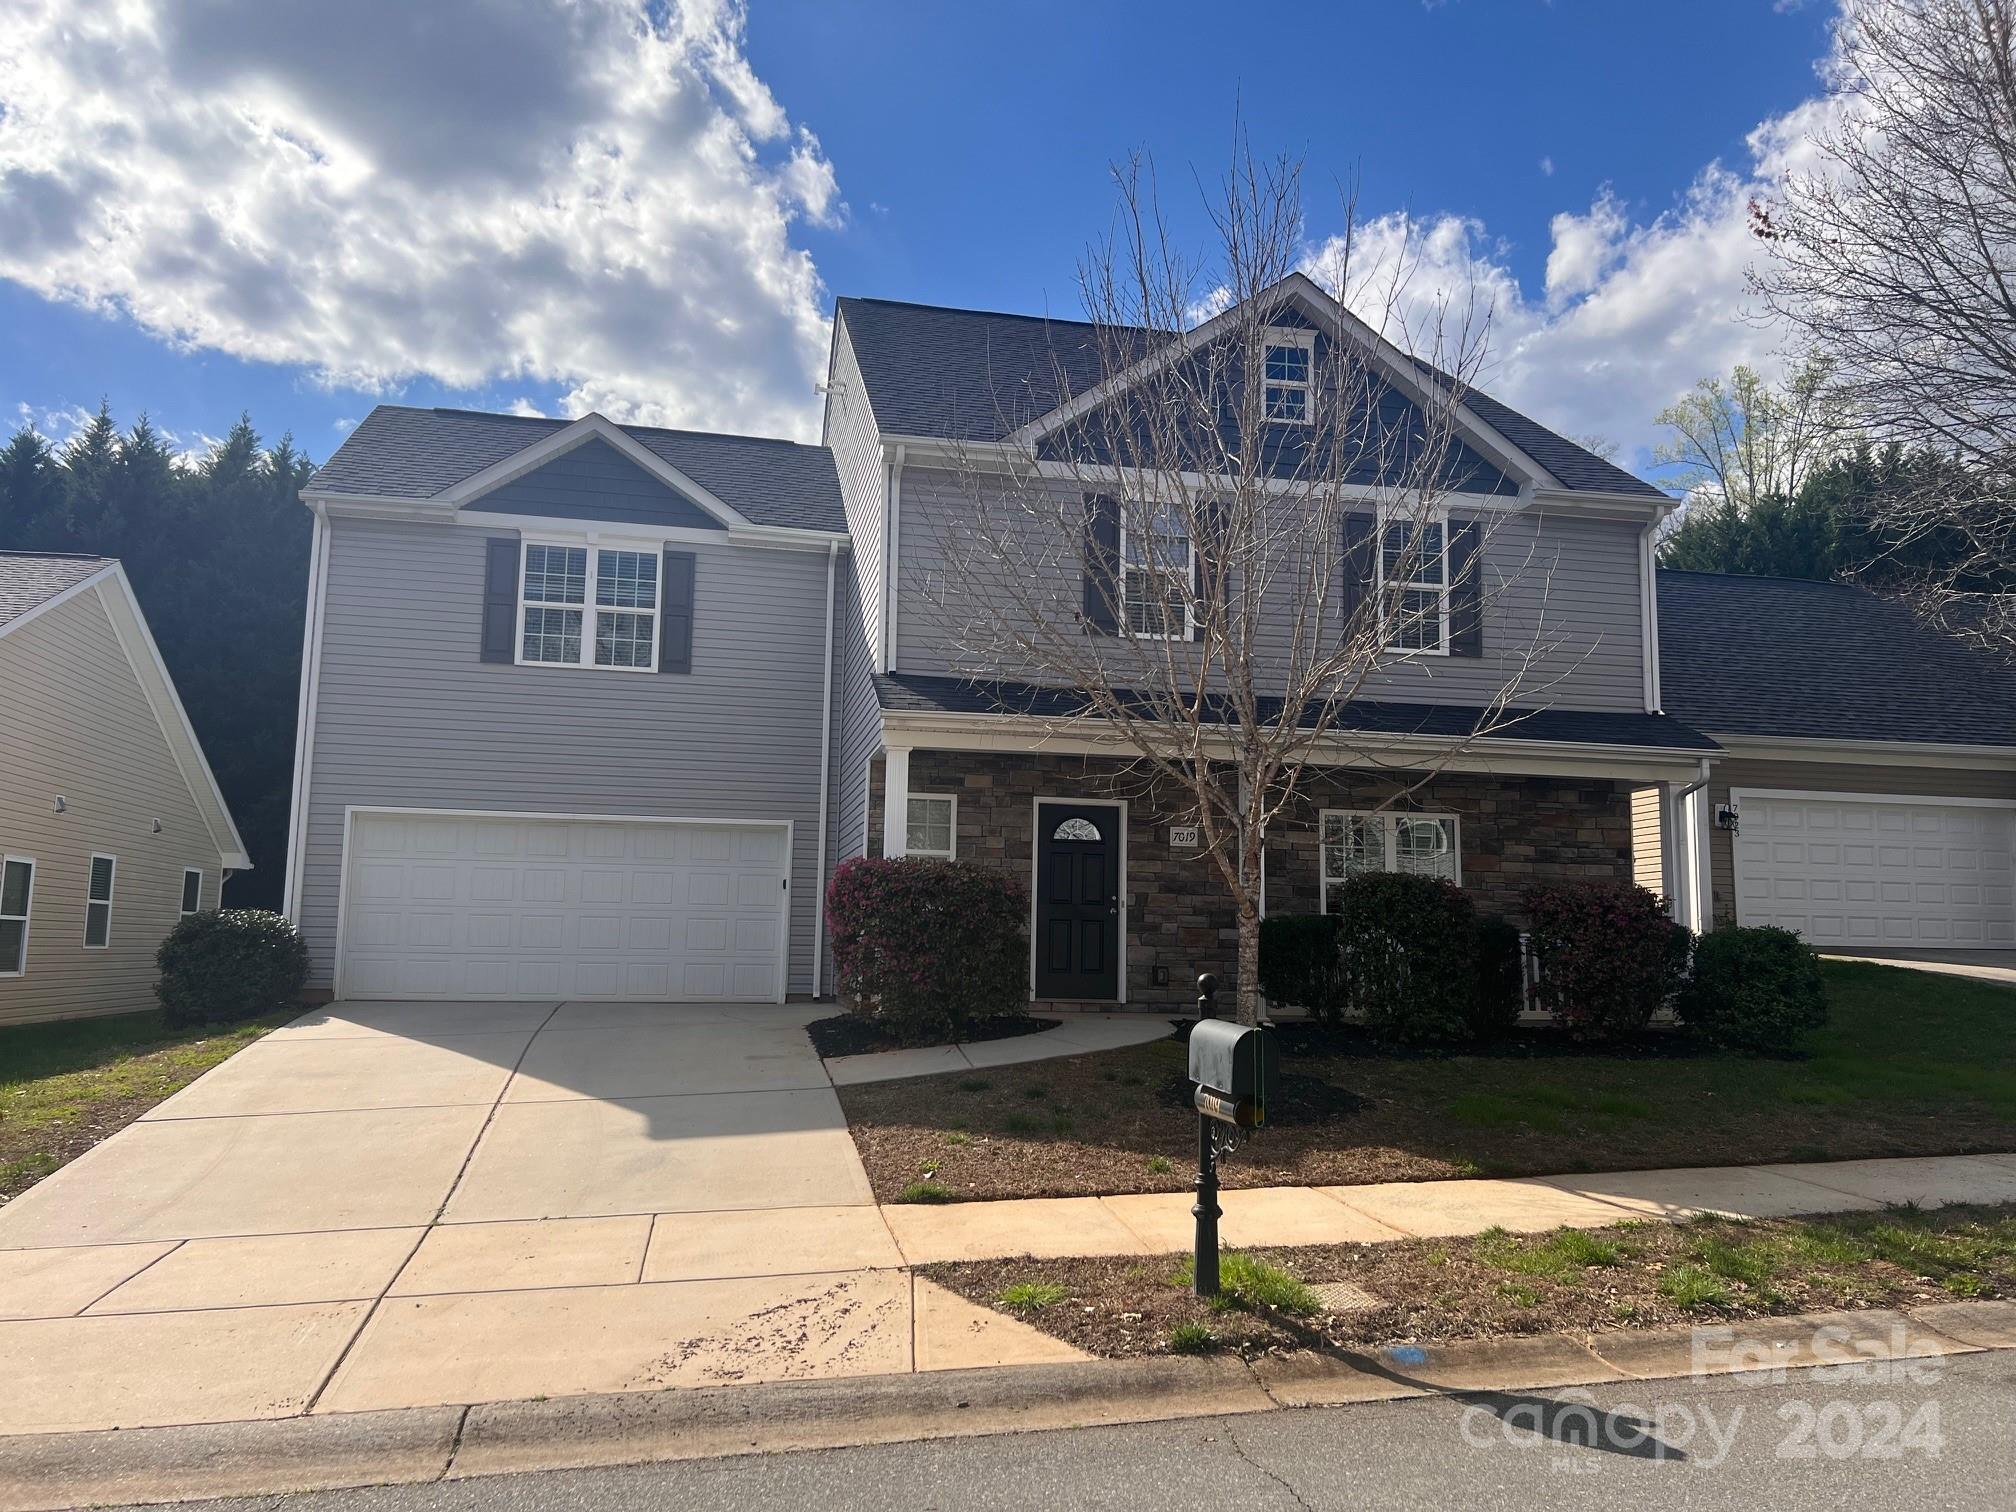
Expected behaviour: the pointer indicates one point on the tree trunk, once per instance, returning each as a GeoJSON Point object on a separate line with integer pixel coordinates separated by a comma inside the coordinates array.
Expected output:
{"type": "Point", "coordinates": [1249, 963]}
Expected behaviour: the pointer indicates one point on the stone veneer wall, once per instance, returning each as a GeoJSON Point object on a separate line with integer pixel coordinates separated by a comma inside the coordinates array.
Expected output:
{"type": "Point", "coordinates": [1511, 831]}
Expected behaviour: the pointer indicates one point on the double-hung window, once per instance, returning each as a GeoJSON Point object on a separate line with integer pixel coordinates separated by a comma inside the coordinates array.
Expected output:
{"type": "Point", "coordinates": [932, 825]}
{"type": "Point", "coordinates": [1414, 583]}
{"type": "Point", "coordinates": [589, 606]}
{"type": "Point", "coordinates": [192, 891]}
{"type": "Point", "coordinates": [1158, 560]}
{"type": "Point", "coordinates": [17, 898]}
{"type": "Point", "coordinates": [1288, 376]}
{"type": "Point", "coordinates": [98, 903]}
{"type": "Point", "coordinates": [1422, 844]}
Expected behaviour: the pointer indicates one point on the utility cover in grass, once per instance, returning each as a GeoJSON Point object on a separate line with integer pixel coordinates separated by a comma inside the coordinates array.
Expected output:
{"type": "Point", "coordinates": [1342, 1296]}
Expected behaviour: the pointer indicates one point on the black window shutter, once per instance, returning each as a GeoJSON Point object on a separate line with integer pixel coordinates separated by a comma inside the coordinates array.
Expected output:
{"type": "Point", "coordinates": [1466, 590]}
{"type": "Point", "coordinates": [1361, 541]}
{"type": "Point", "coordinates": [1208, 562]}
{"type": "Point", "coordinates": [1102, 564]}
{"type": "Point", "coordinates": [675, 614]}
{"type": "Point", "coordinates": [500, 598]}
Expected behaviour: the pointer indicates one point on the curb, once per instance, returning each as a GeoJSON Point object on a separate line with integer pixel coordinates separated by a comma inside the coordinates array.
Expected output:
{"type": "Point", "coordinates": [48, 1472]}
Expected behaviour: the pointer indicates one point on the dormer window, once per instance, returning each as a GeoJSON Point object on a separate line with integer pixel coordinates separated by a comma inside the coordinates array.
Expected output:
{"type": "Point", "coordinates": [1288, 372]}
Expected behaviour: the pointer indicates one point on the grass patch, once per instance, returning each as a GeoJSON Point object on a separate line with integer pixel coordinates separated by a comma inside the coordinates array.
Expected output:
{"type": "Point", "coordinates": [958, 1137]}
{"type": "Point", "coordinates": [1160, 1165]}
{"type": "Point", "coordinates": [64, 1087]}
{"type": "Point", "coordinates": [1031, 1296]}
{"type": "Point", "coordinates": [975, 1084]}
{"type": "Point", "coordinates": [1192, 1339]}
{"type": "Point", "coordinates": [1692, 1287]}
{"type": "Point", "coordinates": [1248, 1282]}
{"type": "Point", "coordinates": [1560, 1254]}
{"type": "Point", "coordinates": [925, 1192]}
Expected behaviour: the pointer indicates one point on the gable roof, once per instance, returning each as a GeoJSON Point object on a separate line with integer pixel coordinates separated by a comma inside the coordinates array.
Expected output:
{"type": "Point", "coordinates": [1821, 661]}
{"type": "Point", "coordinates": [29, 578]}
{"type": "Point", "coordinates": [401, 452]}
{"type": "Point", "coordinates": [53, 578]}
{"type": "Point", "coordinates": [979, 375]}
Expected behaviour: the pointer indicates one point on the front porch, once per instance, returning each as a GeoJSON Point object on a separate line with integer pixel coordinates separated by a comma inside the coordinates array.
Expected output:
{"type": "Point", "coordinates": [1492, 833]}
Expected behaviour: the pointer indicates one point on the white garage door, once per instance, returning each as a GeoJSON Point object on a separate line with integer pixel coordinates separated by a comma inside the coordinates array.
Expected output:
{"type": "Point", "coordinates": [455, 906]}
{"type": "Point", "coordinates": [1862, 873]}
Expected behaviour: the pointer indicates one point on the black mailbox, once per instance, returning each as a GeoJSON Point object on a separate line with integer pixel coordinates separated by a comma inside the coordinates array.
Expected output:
{"type": "Point", "coordinates": [1234, 1066]}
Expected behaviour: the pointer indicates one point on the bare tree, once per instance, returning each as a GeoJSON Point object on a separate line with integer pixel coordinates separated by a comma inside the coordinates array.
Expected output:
{"type": "Point", "coordinates": [1237, 520]}
{"type": "Point", "coordinates": [1893, 257]}
{"type": "Point", "coordinates": [1743, 439]}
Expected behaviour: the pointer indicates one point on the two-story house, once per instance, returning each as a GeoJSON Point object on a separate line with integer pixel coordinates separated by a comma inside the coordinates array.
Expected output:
{"type": "Point", "coordinates": [592, 711]}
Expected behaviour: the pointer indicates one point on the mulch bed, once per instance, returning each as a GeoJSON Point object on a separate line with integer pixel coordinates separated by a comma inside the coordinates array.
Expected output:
{"type": "Point", "coordinates": [851, 1034]}
{"type": "Point", "coordinates": [1494, 1285]}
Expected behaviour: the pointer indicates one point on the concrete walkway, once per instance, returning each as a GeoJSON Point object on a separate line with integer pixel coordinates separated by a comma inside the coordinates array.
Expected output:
{"type": "Point", "coordinates": [1982, 965]}
{"type": "Point", "coordinates": [1076, 1034]}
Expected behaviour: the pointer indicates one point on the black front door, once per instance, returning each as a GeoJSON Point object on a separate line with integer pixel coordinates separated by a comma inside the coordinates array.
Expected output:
{"type": "Point", "coordinates": [1077, 901]}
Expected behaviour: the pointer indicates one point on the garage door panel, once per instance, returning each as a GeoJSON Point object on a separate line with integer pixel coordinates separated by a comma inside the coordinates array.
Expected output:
{"type": "Point", "coordinates": [495, 908]}
{"type": "Point", "coordinates": [1931, 874]}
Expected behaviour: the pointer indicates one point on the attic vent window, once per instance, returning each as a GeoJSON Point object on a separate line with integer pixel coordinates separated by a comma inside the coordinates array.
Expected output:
{"type": "Point", "coordinates": [1288, 364]}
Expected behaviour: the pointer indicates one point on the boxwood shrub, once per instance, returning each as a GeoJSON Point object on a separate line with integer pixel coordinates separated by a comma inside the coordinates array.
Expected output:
{"type": "Point", "coordinates": [1409, 947]}
{"type": "Point", "coordinates": [1300, 966]}
{"type": "Point", "coordinates": [1756, 989]}
{"type": "Point", "coordinates": [229, 964]}
{"type": "Point", "coordinates": [1609, 955]}
{"type": "Point", "coordinates": [924, 947]}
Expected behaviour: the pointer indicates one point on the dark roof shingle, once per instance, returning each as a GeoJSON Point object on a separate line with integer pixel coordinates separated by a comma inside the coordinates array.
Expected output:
{"type": "Point", "coordinates": [29, 577]}
{"type": "Point", "coordinates": [417, 453]}
{"type": "Point", "coordinates": [977, 375]}
{"type": "Point", "coordinates": [916, 693]}
{"type": "Point", "coordinates": [1821, 661]}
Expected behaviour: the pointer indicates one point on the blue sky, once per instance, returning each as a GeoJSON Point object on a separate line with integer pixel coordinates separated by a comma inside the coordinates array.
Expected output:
{"type": "Point", "coordinates": [305, 232]}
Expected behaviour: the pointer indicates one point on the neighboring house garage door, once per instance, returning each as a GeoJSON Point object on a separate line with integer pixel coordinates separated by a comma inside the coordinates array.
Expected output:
{"type": "Point", "coordinates": [441, 905]}
{"type": "Point", "coordinates": [1872, 872]}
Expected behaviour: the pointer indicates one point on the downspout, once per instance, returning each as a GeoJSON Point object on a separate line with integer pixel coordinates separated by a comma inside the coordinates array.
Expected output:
{"type": "Point", "coordinates": [890, 597]}
{"type": "Point", "coordinates": [304, 731]}
{"type": "Point", "coordinates": [1695, 902]}
{"type": "Point", "coordinates": [825, 776]}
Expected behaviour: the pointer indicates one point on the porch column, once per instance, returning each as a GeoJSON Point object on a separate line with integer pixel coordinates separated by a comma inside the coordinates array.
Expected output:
{"type": "Point", "coordinates": [1672, 851]}
{"type": "Point", "coordinates": [895, 801]}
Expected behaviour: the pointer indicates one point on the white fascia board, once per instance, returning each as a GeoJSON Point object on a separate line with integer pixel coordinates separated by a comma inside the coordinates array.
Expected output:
{"type": "Point", "coordinates": [57, 600]}
{"type": "Point", "coordinates": [116, 593]}
{"type": "Point", "coordinates": [1005, 733]}
{"type": "Point", "coordinates": [1639, 508]}
{"type": "Point", "coordinates": [1319, 305]}
{"type": "Point", "coordinates": [1866, 752]}
{"type": "Point", "coordinates": [779, 537]}
{"type": "Point", "coordinates": [558, 443]}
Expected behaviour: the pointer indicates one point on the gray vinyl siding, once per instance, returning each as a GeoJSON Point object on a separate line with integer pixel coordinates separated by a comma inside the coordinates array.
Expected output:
{"type": "Point", "coordinates": [76, 723]}
{"type": "Point", "coordinates": [408, 717]}
{"type": "Point", "coordinates": [859, 736]}
{"type": "Point", "coordinates": [1905, 779]}
{"type": "Point", "coordinates": [851, 432]}
{"type": "Point", "coordinates": [1647, 841]}
{"type": "Point", "coordinates": [1565, 588]}
{"type": "Point", "coordinates": [594, 481]}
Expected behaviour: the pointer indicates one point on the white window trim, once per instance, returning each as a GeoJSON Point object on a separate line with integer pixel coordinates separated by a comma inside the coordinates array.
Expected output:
{"type": "Point", "coordinates": [28, 914]}
{"type": "Point", "coordinates": [197, 873]}
{"type": "Point", "coordinates": [111, 892]}
{"type": "Point", "coordinates": [952, 826]}
{"type": "Point", "coordinates": [594, 545]}
{"type": "Point", "coordinates": [1189, 574]}
{"type": "Point", "coordinates": [1296, 336]}
{"type": "Point", "coordinates": [1390, 831]}
{"type": "Point", "coordinates": [1389, 593]}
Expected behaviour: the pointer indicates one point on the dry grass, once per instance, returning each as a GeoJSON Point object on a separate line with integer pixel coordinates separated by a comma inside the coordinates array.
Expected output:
{"type": "Point", "coordinates": [1912, 1064]}
{"type": "Point", "coordinates": [1634, 1275]}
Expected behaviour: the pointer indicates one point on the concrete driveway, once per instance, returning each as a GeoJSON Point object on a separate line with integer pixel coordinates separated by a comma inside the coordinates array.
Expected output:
{"type": "Point", "coordinates": [1982, 965]}
{"type": "Point", "coordinates": [389, 1205]}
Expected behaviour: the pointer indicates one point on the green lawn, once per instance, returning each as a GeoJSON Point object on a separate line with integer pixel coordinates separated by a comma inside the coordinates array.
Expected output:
{"type": "Point", "coordinates": [1911, 1063]}
{"type": "Point", "coordinates": [66, 1086]}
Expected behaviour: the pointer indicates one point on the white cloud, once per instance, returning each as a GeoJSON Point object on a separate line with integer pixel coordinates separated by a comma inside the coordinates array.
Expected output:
{"type": "Point", "coordinates": [1547, 167]}
{"type": "Point", "coordinates": [344, 425]}
{"type": "Point", "coordinates": [594, 194]}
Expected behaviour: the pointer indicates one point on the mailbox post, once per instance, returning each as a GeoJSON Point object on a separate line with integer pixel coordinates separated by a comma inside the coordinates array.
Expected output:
{"type": "Point", "coordinates": [1233, 1066]}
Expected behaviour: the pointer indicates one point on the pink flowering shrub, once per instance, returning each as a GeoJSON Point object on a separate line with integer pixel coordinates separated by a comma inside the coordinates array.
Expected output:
{"type": "Point", "coordinates": [1609, 955]}
{"type": "Point", "coordinates": [924, 947]}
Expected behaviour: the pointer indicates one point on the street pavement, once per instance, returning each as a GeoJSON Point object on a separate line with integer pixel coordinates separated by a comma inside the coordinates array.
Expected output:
{"type": "Point", "coordinates": [1925, 1434]}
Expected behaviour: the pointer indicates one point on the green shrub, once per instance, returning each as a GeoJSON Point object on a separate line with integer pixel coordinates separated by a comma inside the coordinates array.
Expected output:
{"type": "Point", "coordinates": [1755, 989]}
{"type": "Point", "coordinates": [229, 964]}
{"type": "Point", "coordinates": [924, 947]}
{"type": "Point", "coordinates": [1409, 945]}
{"type": "Point", "coordinates": [1299, 964]}
{"type": "Point", "coordinates": [1499, 970]}
{"type": "Point", "coordinates": [1609, 955]}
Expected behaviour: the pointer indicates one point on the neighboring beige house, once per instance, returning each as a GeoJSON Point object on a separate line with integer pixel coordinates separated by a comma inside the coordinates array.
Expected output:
{"type": "Point", "coordinates": [111, 825]}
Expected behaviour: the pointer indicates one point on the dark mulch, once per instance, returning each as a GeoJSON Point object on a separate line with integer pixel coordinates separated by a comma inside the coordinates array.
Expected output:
{"type": "Point", "coordinates": [1495, 1285]}
{"type": "Point", "coordinates": [851, 1034]}
{"type": "Point", "coordinates": [1293, 1100]}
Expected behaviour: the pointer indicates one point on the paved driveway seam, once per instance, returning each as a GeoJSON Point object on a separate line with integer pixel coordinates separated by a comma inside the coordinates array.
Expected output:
{"type": "Point", "coordinates": [420, 1238]}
